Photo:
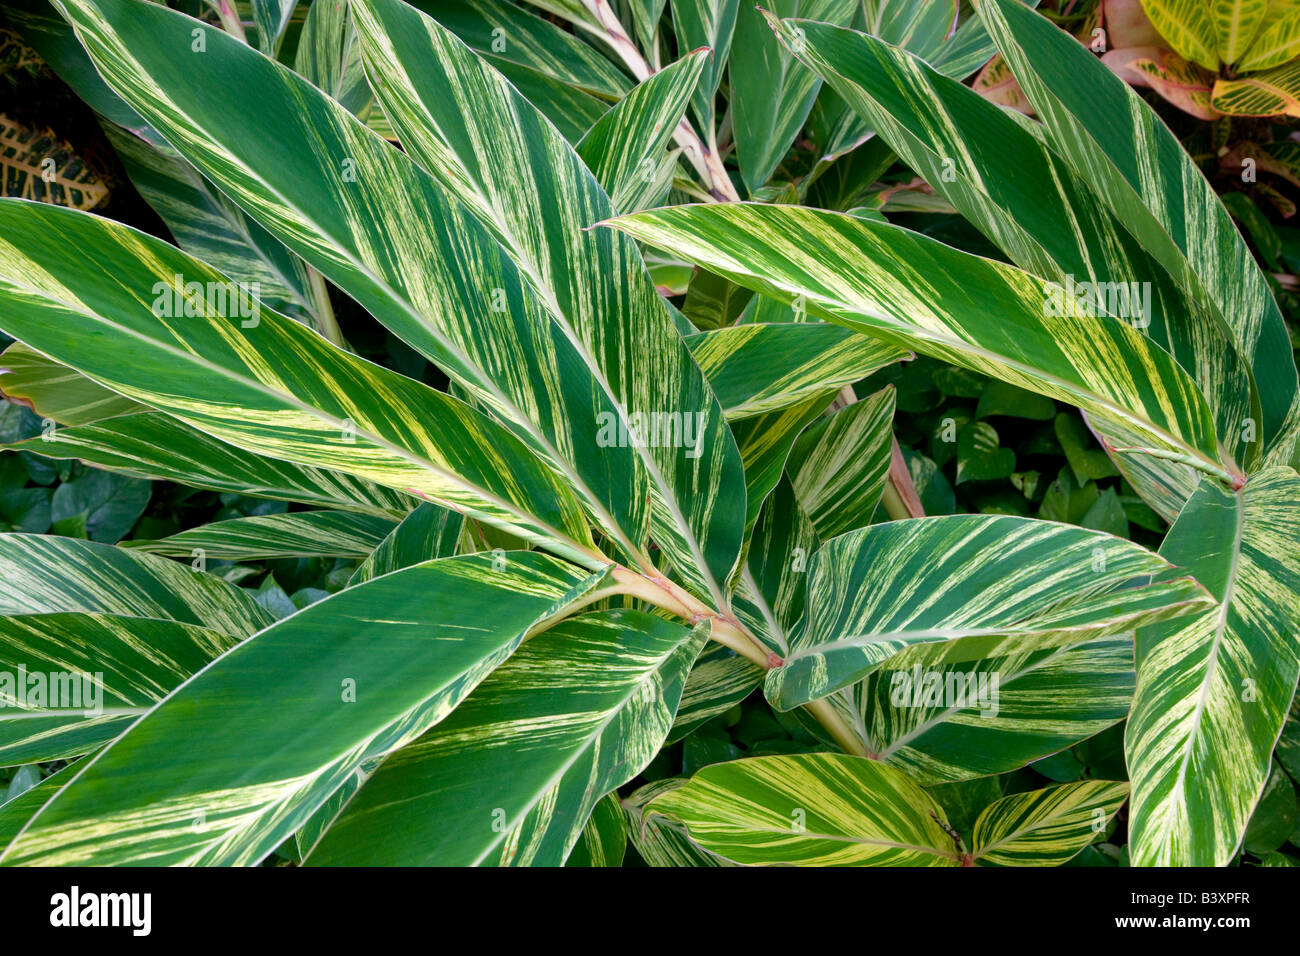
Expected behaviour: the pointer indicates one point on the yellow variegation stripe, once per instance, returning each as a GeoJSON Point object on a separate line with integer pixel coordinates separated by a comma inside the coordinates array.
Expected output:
{"type": "Point", "coordinates": [55, 391]}
{"type": "Point", "coordinates": [956, 588]}
{"type": "Point", "coordinates": [368, 670]}
{"type": "Point", "coordinates": [45, 574]}
{"type": "Point", "coordinates": [1213, 690]}
{"type": "Point", "coordinates": [1045, 827]}
{"type": "Point", "coordinates": [810, 810]}
{"type": "Point", "coordinates": [298, 535]}
{"type": "Point", "coordinates": [576, 712]}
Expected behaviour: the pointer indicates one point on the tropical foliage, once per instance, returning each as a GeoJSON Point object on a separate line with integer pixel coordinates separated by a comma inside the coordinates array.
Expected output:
{"type": "Point", "coordinates": [668, 433]}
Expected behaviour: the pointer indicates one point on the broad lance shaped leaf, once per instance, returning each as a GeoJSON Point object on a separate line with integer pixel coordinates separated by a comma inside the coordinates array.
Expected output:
{"type": "Point", "coordinates": [55, 391]}
{"type": "Point", "coordinates": [964, 587]}
{"type": "Point", "coordinates": [719, 679]}
{"type": "Point", "coordinates": [604, 838]}
{"type": "Point", "coordinates": [1045, 827]}
{"type": "Point", "coordinates": [771, 94]}
{"type": "Point", "coordinates": [44, 574]}
{"type": "Point", "coordinates": [576, 712]}
{"type": "Point", "coordinates": [1117, 143]}
{"type": "Point", "coordinates": [1213, 690]}
{"type": "Point", "coordinates": [531, 42]}
{"type": "Point", "coordinates": [960, 721]}
{"type": "Point", "coordinates": [765, 442]}
{"type": "Point", "coordinates": [204, 351]}
{"type": "Point", "coordinates": [659, 840]}
{"type": "Point", "coordinates": [712, 24]}
{"type": "Point", "coordinates": [915, 292]}
{"type": "Point", "coordinates": [427, 532]}
{"type": "Point", "coordinates": [300, 534]}
{"type": "Point", "coordinates": [625, 149]}
{"type": "Point", "coordinates": [210, 227]}
{"type": "Point", "coordinates": [396, 241]}
{"type": "Point", "coordinates": [156, 446]}
{"type": "Point", "coordinates": [996, 169]}
{"type": "Point", "coordinates": [839, 465]}
{"type": "Point", "coordinates": [71, 682]}
{"type": "Point", "coordinates": [810, 810]}
{"type": "Point", "coordinates": [538, 199]}
{"type": "Point", "coordinates": [760, 367]}
{"type": "Point", "coordinates": [369, 669]}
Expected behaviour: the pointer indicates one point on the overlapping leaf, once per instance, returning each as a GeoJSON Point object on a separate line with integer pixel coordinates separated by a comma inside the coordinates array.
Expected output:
{"type": "Point", "coordinates": [512, 776]}
{"type": "Point", "coordinates": [963, 587]}
{"type": "Point", "coordinates": [1213, 690]}
{"type": "Point", "coordinates": [362, 673]}
{"type": "Point", "coordinates": [1045, 827]}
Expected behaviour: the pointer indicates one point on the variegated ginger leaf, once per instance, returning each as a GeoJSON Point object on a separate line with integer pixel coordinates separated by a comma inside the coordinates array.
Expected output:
{"type": "Point", "coordinates": [959, 721]}
{"type": "Point", "coordinates": [300, 534]}
{"type": "Point", "coordinates": [201, 349]}
{"type": "Point", "coordinates": [55, 391]}
{"type": "Point", "coordinates": [915, 292]}
{"type": "Point", "coordinates": [47, 574]}
{"type": "Point", "coordinates": [368, 669]}
{"type": "Point", "coordinates": [512, 776]}
{"type": "Point", "coordinates": [625, 149]}
{"type": "Point", "coordinates": [760, 367]}
{"type": "Point", "coordinates": [97, 674]}
{"type": "Point", "coordinates": [811, 810]}
{"type": "Point", "coordinates": [964, 587]}
{"type": "Point", "coordinates": [1045, 827]}
{"type": "Point", "coordinates": [1213, 690]}
{"type": "Point", "coordinates": [161, 448]}
{"type": "Point", "coordinates": [1113, 140]}
{"type": "Point", "coordinates": [427, 532]}
{"type": "Point", "coordinates": [537, 198]}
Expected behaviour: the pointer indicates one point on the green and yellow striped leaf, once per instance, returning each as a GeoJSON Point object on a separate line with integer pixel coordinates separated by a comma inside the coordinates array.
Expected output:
{"type": "Point", "coordinates": [528, 187]}
{"type": "Point", "coordinates": [963, 587]}
{"type": "Point", "coordinates": [427, 532]}
{"type": "Point", "coordinates": [720, 679]}
{"type": "Point", "coordinates": [95, 673]}
{"type": "Point", "coordinates": [55, 391]}
{"type": "Point", "coordinates": [958, 721]}
{"type": "Point", "coordinates": [917, 293]}
{"type": "Point", "coordinates": [511, 777]}
{"type": "Point", "coordinates": [504, 32]}
{"type": "Point", "coordinates": [367, 669]}
{"type": "Point", "coordinates": [15, 812]}
{"type": "Point", "coordinates": [1045, 827]}
{"type": "Point", "coordinates": [839, 465]}
{"type": "Point", "coordinates": [263, 382]}
{"type": "Point", "coordinates": [771, 95]}
{"type": "Point", "coordinates": [659, 840]}
{"type": "Point", "coordinates": [1114, 141]}
{"type": "Point", "coordinates": [760, 367]}
{"type": "Point", "coordinates": [158, 447]}
{"type": "Point", "coordinates": [810, 810]}
{"type": "Point", "coordinates": [998, 171]}
{"type": "Point", "coordinates": [625, 149]}
{"type": "Point", "coordinates": [50, 574]}
{"type": "Point", "coordinates": [712, 24]}
{"type": "Point", "coordinates": [604, 839]}
{"type": "Point", "coordinates": [1213, 690]}
{"type": "Point", "coordinates": [303, 534]}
